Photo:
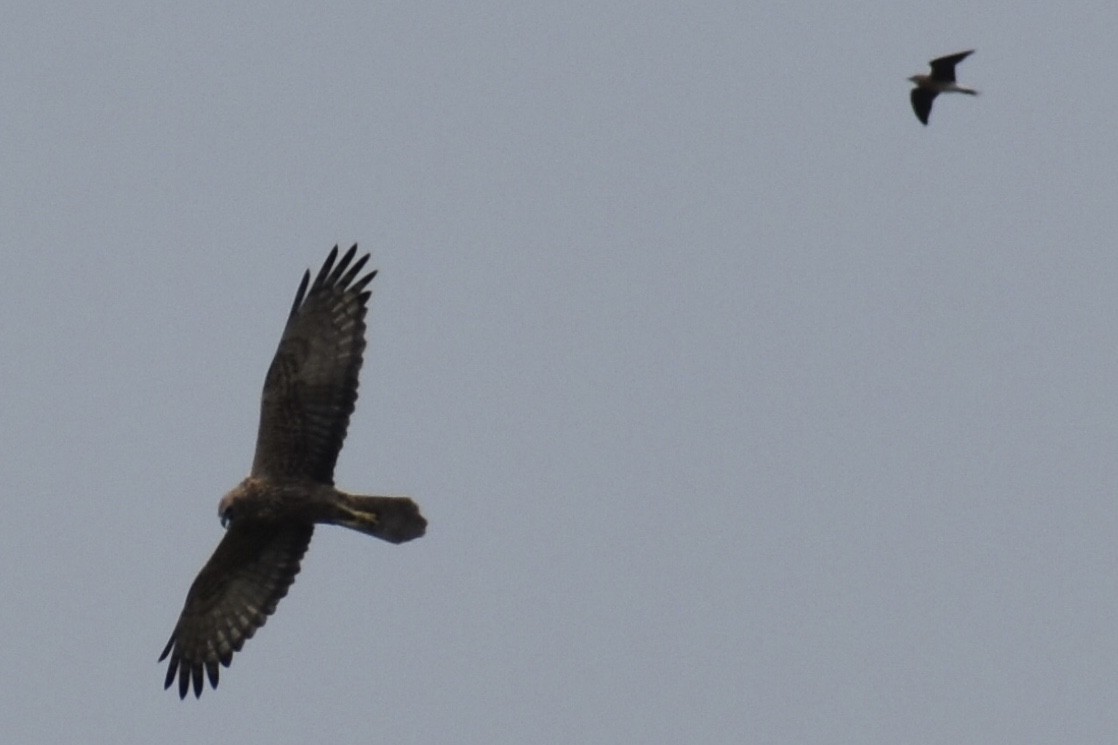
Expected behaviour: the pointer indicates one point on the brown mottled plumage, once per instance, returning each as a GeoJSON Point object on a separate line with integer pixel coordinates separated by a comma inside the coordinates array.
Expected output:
{"type": "Point", "coordinates": [309, 395]}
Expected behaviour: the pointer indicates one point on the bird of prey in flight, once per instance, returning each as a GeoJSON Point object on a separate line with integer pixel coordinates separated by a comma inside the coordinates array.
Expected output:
{"type": "Point", "coordinates": [309, 394]}
{"type": "Point", "coordinates": [942, 80]}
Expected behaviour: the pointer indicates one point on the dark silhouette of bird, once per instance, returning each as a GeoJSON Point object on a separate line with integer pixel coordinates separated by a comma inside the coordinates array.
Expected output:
{"type": "Point", "coordinates": [942, 80]}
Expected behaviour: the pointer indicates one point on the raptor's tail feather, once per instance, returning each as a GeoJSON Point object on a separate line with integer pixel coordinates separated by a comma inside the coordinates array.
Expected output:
{"type": "Point", "coordinates": [393, 519]}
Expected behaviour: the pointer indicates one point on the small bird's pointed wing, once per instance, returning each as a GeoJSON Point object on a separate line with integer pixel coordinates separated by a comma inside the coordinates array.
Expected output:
{"type": "Point", "coordinates": [233, 595]}
{"type": "Point", "coordinates": [943, 68]}
{"type": "Point", "coordinates": [922, 103]}
{"type": "Point", "coordinates": [311, 387]}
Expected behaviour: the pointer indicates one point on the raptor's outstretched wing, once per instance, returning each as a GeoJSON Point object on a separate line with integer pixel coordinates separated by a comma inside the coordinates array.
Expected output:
{"type": "Point", "coordinates": [311, 387]}
{"type": "Point", "coordinates": [232, 597]}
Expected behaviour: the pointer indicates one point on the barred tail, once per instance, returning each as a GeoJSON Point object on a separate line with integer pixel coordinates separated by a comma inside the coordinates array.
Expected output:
{"type": "Point", "coordinates": [393, 519]}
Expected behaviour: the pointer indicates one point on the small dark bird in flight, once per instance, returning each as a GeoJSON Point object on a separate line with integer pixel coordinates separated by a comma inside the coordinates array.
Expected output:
{"type": "Point", "coordinates": [942, 80]}
{"type": "Point", "coordinates": [309, 394]}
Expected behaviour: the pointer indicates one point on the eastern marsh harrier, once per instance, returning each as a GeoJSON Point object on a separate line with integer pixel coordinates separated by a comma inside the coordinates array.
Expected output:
{"type": "Point", "coordinates": [309, 394]}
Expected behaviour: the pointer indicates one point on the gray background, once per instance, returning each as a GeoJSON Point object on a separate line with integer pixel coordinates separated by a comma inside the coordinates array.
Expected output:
{"type": "Point", "coordinates": [743, 407]}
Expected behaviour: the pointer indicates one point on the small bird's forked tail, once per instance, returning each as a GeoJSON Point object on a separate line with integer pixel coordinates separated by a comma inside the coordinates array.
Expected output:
{"type": "Point", "coordinates": [393, 519]}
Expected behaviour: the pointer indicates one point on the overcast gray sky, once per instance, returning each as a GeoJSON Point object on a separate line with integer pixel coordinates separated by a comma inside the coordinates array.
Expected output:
{"type": "Point", "coordinates": [743, 407]}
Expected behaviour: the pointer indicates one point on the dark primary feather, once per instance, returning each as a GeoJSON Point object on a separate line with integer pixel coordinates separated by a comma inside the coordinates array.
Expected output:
{"type": "Point", "coordinates": [943, 68]}
{"type": "Point", "coordinates": [233, 595]}
{"type": "Point", "coordinates": [311, 386]}
{"type": "Point", "coordinates": [922, 103]}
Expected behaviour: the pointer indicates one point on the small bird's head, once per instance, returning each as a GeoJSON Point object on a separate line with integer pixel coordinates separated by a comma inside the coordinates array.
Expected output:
{"type": "Point", "coordinates": [917, 79]}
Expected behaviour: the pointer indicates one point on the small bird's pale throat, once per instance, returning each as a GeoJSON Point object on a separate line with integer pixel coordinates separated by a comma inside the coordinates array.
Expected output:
{"type": "Point", "coordinates": [941, 80]}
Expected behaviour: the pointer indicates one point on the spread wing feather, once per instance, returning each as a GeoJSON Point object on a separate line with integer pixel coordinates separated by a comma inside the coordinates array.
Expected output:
{"type": "Point", "coordinates": [943, 68]}
{"type": "Point", "coordinates": [233, 595]}
{"type": "Point", "coordinates": [922, 103]}
{"type": "Point", "coordinates": [311, 387]}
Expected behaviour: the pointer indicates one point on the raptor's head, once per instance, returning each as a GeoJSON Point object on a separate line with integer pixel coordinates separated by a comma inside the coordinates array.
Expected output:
{"type": "Point", "coordinates": [225, 509]}
{"type": "Point", "coordinates": [239, 503]}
